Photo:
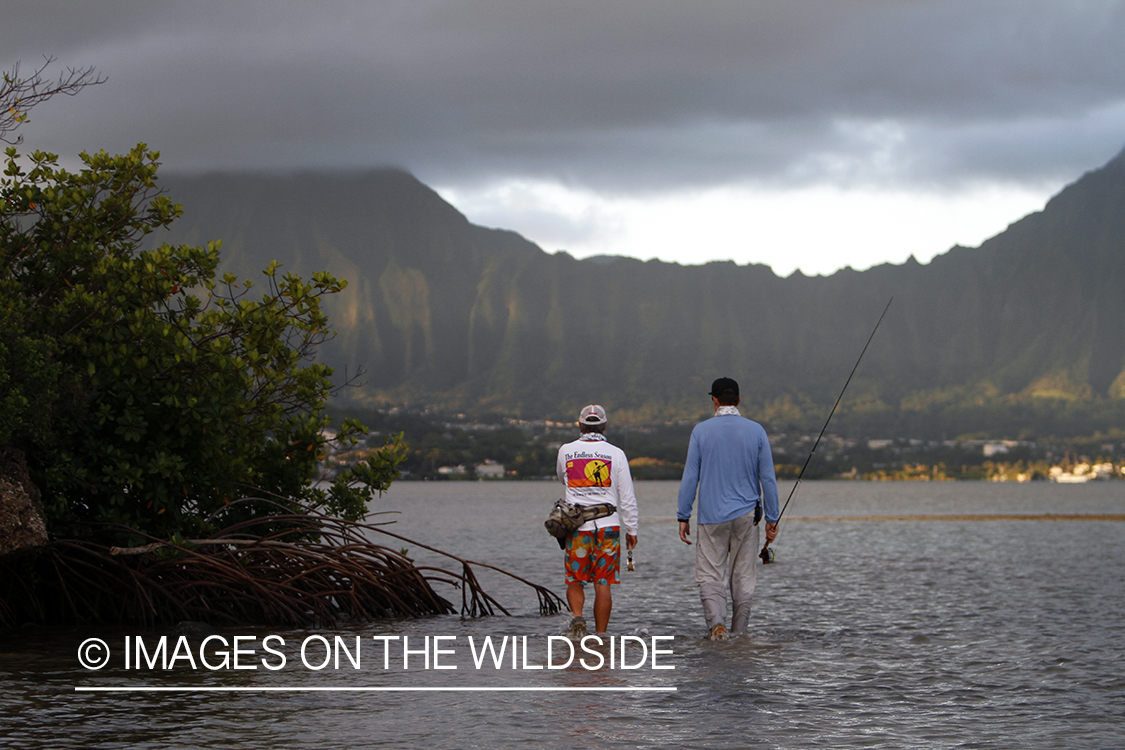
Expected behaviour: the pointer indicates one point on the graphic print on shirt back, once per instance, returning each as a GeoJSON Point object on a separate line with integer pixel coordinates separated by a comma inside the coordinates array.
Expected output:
{"type": "Point", "coordinates": [588, 472]}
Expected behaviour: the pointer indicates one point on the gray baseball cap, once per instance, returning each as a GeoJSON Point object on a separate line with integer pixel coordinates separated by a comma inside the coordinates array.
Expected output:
{"type": "Point", "coordinates": [592, 414]}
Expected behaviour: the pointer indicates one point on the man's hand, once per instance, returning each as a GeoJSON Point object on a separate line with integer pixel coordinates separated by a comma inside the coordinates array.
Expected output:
{"type": "Point", "coordinates": [630, 541]}
{"type": "Point", "coordinates": [771, 532]}
{"type": "Point", "coordinates": [685, 531]}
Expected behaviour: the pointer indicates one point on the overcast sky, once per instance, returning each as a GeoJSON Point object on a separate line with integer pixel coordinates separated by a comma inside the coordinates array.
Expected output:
{"type": "Point", "coordinates": [810, 135]}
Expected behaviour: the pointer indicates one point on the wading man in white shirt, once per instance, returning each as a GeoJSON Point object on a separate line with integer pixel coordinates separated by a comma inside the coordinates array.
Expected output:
{"type": "Point", "coordinates": [594, 471]}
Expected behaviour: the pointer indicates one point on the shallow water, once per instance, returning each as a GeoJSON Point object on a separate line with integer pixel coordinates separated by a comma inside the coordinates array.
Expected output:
{"type": "Point", "coordinates": [867, 633]}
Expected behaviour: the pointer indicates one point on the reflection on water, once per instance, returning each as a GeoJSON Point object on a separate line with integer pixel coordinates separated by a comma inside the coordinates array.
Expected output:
{"type": "Point", "coordinates": [866, 633]}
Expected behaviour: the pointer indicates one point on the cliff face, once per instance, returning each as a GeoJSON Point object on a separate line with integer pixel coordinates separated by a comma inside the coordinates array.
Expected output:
{"type": "Point", "coordinates": [440, 311]}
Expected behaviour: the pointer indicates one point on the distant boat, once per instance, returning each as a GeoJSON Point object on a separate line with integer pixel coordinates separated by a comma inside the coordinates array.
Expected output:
{"type": "Point", "coordinates": [1067, 478]}
{"type": "Point", "coordinates": [1082, 473]}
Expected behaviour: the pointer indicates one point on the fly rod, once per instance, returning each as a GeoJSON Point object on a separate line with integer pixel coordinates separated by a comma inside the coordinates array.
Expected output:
{"type": "Point", "coordinates": [767, 553]}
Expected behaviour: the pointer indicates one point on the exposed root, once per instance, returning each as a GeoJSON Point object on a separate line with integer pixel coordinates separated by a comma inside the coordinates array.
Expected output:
{"type": "Point", "coordinates": [318, 570]}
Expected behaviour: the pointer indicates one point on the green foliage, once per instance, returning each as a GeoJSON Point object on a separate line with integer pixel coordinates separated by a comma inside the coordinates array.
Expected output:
{"type": "Point", "coordinates": [143, 389]}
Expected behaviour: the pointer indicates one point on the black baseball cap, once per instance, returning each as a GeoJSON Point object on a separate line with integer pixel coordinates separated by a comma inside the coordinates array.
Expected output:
{"type": "Point", "coordinates": [724, 387]}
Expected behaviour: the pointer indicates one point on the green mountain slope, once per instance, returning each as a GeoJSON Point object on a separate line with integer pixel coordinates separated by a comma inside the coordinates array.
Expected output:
{"type": "Point", "coordinates": [444, 313]}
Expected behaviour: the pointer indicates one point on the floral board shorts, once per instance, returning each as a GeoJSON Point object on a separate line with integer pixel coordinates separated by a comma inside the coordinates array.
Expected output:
{"type": "Point", "coordinates": [593, 557]}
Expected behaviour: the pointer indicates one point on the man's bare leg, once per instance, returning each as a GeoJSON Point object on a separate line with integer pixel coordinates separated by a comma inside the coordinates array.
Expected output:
{"type": "Point", "coordinates": [576, 597]}
{"type": "Point", "coordinates": [603, 605]}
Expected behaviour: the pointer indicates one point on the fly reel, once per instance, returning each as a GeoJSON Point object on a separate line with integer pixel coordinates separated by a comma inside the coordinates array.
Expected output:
{"type": "Point", "coordinates": [766, 555]}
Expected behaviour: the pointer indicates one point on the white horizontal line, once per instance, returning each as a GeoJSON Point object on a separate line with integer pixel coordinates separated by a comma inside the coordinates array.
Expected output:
{"type": "Point", "coordinates": [123, 689]}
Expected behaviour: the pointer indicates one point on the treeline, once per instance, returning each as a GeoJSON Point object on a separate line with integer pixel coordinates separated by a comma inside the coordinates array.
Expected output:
{"type": "Point", "coordinates": [963, 415]}
{"type": "Point", "coordinates": [528, 450]}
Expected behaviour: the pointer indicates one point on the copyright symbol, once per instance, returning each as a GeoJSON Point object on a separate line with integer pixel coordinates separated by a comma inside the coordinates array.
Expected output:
{"type": "Point", "coordinates": [93, 653]}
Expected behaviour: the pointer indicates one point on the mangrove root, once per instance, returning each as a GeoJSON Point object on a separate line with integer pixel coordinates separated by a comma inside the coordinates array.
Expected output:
{"type": "Point", "coordinates": [315, 570]}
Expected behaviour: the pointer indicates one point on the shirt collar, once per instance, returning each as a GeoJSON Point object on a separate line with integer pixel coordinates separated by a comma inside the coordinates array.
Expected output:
{"type": "Point", "coordinates": [592, 436]}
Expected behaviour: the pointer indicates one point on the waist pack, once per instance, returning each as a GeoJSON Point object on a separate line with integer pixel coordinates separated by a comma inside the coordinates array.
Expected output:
{"type": "Point", "coordinates": [566, 517]}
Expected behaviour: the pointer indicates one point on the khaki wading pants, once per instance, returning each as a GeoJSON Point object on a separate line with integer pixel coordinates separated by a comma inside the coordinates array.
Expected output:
{"type": "Point", "coordinates": [726, 556]}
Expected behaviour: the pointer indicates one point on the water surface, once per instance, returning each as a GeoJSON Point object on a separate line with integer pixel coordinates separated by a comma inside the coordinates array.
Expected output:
{"type": "Point", "coordinates": [895, 633]}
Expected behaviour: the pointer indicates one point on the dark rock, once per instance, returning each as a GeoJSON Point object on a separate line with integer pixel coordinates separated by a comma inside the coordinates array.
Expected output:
{"type": "Point", "coordinates": [21, 520]}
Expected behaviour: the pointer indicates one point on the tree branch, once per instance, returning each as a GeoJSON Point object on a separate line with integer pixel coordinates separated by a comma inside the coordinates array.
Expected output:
{"type": "Point", "coordinates": [18, 95]}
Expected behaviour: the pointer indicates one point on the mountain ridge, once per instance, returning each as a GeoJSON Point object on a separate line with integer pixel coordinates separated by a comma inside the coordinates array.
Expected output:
{"type": "Point", "coordinates": [444, 313]}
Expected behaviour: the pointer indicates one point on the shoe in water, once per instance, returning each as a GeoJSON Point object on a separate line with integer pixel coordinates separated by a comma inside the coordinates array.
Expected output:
{"type": "Point", "coordinates": [576, 630]}
{"type": "Point", "coordinates": [718, 633]}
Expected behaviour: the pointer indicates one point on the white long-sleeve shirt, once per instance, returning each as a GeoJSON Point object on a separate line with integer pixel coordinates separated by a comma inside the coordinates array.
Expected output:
{"type": "Point", "coordinates": [593, 471]}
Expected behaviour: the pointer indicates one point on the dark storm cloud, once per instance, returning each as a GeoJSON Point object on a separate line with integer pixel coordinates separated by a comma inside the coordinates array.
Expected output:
{"type": "Point", "coordinates": [611, 95]}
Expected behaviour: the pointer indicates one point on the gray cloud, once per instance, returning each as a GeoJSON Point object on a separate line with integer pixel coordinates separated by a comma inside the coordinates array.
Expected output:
{"type": "Point", "coordinates": [619, 96]}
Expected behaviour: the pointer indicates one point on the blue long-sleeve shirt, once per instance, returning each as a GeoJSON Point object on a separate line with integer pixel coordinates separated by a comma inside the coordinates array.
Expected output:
{"type": "Point", "coordinates": [730, 462]}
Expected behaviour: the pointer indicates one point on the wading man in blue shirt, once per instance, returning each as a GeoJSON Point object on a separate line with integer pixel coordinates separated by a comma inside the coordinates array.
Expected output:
{"type": "Point", "coordinates": [730, 465]}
